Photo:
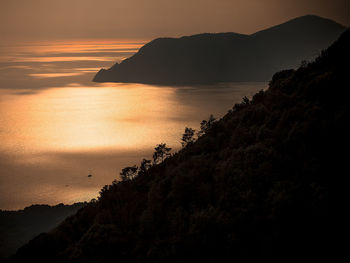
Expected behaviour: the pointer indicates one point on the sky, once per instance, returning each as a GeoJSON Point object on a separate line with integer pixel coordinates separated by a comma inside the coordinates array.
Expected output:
{"type": "Point", "coordinates": [146, 19]}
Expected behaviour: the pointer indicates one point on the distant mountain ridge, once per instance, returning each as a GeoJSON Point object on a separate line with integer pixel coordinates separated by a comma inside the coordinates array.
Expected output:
{"type": "Point", "coordinates": [226, 57]}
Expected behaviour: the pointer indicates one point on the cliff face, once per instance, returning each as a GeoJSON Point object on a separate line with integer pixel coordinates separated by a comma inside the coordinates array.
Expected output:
{"type": "Point", "coordinates": [264, 182]}
{"type": "Point", "coordinates": [224, 57]}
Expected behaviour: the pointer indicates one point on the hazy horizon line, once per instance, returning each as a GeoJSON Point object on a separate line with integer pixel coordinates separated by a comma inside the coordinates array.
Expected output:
{"type": "Point", "coordinates": [145, 39]}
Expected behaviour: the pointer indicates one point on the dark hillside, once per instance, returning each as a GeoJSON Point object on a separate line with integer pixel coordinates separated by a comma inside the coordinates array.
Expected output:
{"type": "Point", "coordinates": [264, 182]}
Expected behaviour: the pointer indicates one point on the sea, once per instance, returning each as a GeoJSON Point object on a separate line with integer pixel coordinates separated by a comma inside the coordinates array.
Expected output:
{"type": "Point", "coordinates": [57, 127]}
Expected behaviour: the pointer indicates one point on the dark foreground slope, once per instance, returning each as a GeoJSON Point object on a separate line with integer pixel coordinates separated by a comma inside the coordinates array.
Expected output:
{"type": "Point", "coordinates": [263, 182]}
{"type": "Point", "coordinates": [223, 57]}
{"type": "Point", "coordinates": [18, 227]}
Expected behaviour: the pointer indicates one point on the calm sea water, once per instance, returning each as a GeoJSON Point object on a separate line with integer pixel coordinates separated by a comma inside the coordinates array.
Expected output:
{"type": "Point", "coordinates": [56, 126]}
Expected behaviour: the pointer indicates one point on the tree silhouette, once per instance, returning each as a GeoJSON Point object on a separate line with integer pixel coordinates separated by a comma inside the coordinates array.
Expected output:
{"type": "Point", "coordinates": [187, 137]}
{"type": "Point", "coordinates": [128, 173]}
{"type": "Point", "coordinates": [161, 153]}
{"type": "Point", "coordinates": [245, 100]}
{"type": "Point", "coordinates": [206, 125]}
{"type": "Point", "coordinates": [145, 165]}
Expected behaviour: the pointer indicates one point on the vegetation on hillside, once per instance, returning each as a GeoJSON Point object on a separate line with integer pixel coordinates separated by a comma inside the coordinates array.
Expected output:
{"type": "Point", "coordinates": [262, 182]}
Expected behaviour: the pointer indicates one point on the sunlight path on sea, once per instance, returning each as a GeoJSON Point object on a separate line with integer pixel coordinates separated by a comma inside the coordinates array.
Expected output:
{"type": "Point", "coordinates": [56, 126]}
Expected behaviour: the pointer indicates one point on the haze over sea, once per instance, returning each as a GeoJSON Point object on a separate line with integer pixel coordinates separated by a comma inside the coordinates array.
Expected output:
{"type": "Point", "coordinates": [57, 126]}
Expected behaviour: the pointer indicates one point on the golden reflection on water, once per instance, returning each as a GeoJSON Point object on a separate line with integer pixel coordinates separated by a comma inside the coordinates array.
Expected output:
{"type": "Point", "coordinates": [58, 59]}
{"type": "Point", "coordinates": [81, 118]}
{"type": "Point", "coordinates": [70, 46]}
{"type": "Point", "coordinates": [55, 51]}
{"type": "Point", "coordinates": [52, 137]}
{"type": "Point", "coordinates": [53, 75]}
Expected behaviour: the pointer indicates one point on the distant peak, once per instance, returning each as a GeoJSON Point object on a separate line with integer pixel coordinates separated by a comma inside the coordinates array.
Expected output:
{"type": "Point", "coordinates": [311, 17]}
{"type": "Point", "coordinates": [308, 16]}
{"type": "Point", "coordinates": [220, 34]}
{"type": "Point", "coordinates": [303, 22]}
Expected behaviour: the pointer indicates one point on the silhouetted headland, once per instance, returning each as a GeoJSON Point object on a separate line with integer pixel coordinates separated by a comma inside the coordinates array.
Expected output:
{"type": "Point", "coordinates": [226, 57]}
{"type": "Point", "coordinates": [267, 181]}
